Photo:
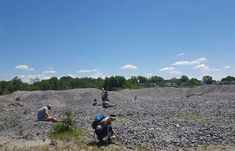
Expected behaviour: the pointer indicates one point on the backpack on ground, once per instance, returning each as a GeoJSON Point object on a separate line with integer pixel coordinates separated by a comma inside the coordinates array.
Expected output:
{"type": "Point", "coordinates": [97, 120]}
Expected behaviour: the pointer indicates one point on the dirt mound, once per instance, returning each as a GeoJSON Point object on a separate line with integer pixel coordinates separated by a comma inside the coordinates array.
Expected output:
{"type": "Point", "coordinates": [210, 89]}
{"type": "Point", "coordinates": [165, 117]}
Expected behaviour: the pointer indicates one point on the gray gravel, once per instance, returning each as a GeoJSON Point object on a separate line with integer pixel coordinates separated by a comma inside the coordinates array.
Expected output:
{"type": "Point", "coordinates": [169, 118]}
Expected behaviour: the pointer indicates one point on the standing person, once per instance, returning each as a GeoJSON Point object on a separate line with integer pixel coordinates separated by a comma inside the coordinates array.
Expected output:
{"type": "Point", "coordinates": [42, 115]}
{"type": "Point", "coordinates": [105, 100]}
{"type": "Point", "coordinates": [104, 97]}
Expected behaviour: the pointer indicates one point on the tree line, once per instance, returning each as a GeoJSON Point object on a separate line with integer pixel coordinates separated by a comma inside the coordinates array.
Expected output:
{"type": "Point", "coordinates": [109, 83]}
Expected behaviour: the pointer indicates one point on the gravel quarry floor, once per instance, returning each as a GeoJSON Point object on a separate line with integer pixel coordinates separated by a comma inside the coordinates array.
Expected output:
{"type": "Point", "coordinates": [160, 118]}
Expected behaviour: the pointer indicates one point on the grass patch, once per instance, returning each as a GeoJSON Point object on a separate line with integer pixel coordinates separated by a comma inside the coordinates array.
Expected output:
{"type": "Point", "coordinates": [58, 132]}
{"type": "Point", "coordinates": [66, 130]}
{"type": "Point", "coordinates": [2, 105]}
{"type": "Point", "coordinates": [196, 117]}
{"type": "Point", "coordinates": [199, 118]}
{"type": "Point", "coordinates": [113, 147]}
{"type": "Point", "coordinates": [97, 146]}
{"type": "Point", "coordinates": [212, 148]}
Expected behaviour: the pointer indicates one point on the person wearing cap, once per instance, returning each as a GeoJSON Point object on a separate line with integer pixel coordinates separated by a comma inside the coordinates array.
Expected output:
{"type": "Point", "coordinates": [42, 115]}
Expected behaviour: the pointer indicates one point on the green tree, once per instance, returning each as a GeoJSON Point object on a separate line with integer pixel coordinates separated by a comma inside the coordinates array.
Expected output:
{"type": "Point", "coordinates": [142, 79]}
{"type": "Point", "coordinates": [207, 79]}
{"type": "Point", "coordinates": [155, 80]}
{"type": "Point", "coordinates": [174, 81]}
{"type": "Point", "coordinates": [106, 84]}
{"type": "Point", "coordinates": [133, 83]}
{"type": "Point", "coordinates": [120, 82]}
{"type": "Point", "coordinates": [184, 80]}
{"type": "Point", "coordinates": [194, 82]}
{"type": "Point", "coordinates": [228, 79]}
{"type": "Point", "coordinates": [53, 83]}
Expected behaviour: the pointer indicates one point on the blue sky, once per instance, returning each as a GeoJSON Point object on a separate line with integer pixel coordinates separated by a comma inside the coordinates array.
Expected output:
{"type": "Point", "coordinates": [125, 37]}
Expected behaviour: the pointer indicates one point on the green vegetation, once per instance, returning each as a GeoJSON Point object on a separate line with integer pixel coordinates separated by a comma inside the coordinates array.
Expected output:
{"type": "Point", "coordinates": [196, 117]}
{"type": "Point", "coordinates": [228, 80]}
{"type": "Point", "coordinates": [67, 129]}
{"type": "Point", "coordinates": [207, 80]}
{"type": "Point", "coordinates": [112, 147]}
{"type": "Point", "coordinates": [60, 133]}
{"type": "Point", "coordinates": [67, 137]}
{"type": "Point", "coordinates": [109, 83]}
{"type": "Point", "coordinates": [199, 118]}
{"type": "Point", "coordinates": [2, 105]}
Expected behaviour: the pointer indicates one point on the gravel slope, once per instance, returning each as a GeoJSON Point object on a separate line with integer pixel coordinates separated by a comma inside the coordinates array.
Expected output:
{"type": "Point", "coordinates": [167, 117]}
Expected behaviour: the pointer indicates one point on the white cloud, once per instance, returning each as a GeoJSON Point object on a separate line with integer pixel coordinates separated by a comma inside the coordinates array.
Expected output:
{"type": "Point", "coordinates": [148, 74]}
{"type": "Point", "coordinates": [175, 72]}
{"type": "Point", "coordinates": [215, 69]}
{"type": "Point", "coordinates": [215, 76]}
{"type": "Point", "coordinates": [192, 62]}
{"type": "Point", "coordinates": [88, 71]}
{"type": "Point", "coordinates": [29, 78]}
{"type": "Point", "coordinates": [170, 70]}
{"type": "Point", "coordinates": [202, 59]}
{"type": "Point", "coordinates": [180, 54]}
{"type": "Point", "coordinates": [49, 72]}
{"type": "Point", "coordinates": [97, 75]}
{"type": "Point", "coordinates": [129, 67]}
{"type": "Point", "coordinates": [72, 75]}
{"type": "Point", "coordinates": [93, 73]}
{"type": "Point", "coordinates": [227, 67]}
{"type": "Point", "coordinates": [50, 68]}
{"type": "Point", "coordinates": [167, 69]}
{"type": "Point", "coordinates": [202, 67]}
{"type": "Point", "coordinates": [24, 68]}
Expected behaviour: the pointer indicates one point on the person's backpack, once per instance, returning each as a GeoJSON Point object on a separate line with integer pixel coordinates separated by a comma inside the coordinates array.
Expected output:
{"type": "Point", "coordinates": [97, 120]}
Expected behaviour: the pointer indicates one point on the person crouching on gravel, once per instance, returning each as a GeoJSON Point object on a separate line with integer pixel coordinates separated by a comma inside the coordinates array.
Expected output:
{"type": "Point", "coordinates": [42, 115]}
{"type": "Point", "coordinates": [104, 128]}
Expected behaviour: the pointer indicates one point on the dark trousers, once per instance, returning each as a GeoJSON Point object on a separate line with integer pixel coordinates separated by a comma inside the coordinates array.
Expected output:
{"type": "Point", "coordinates": [103, 132]}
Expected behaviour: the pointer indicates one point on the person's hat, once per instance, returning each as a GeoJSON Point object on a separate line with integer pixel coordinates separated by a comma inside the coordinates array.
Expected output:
{"type": "Point", "coordinates": [113, 117]}
{"type": "Point", "coordinates": [49, 106]}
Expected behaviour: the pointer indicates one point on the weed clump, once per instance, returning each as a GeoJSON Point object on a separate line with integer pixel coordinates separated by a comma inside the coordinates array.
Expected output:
{"type": "Point", "coordinates": [68, 125]}
{"type": "Point", "coordinates": [67, 129]}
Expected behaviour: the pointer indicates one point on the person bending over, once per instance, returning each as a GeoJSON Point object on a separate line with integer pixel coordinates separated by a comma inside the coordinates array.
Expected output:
{"type": "Point", "coordinates": [42, 115]}
{"type": "Point", "coordinates": [103, 127]}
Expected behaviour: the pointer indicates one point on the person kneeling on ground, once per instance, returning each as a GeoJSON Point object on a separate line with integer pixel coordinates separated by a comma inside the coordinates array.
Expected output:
{"type": "Point", "coordinates": [103, 127]}
{"type": "Point", "coordinates": [95, 102]}
{"type": "Point", "coordinates": [42, 115]}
